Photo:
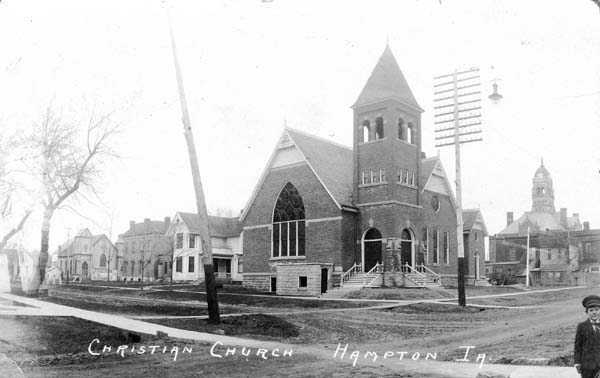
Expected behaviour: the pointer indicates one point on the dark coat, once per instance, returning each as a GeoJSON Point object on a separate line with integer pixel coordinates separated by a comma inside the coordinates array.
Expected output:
{"type": "Point", "coordinates": [587, 346]}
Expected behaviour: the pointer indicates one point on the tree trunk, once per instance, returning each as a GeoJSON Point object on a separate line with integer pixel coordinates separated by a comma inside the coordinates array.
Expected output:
{"type": "Point", "coordinates": [43, 258]}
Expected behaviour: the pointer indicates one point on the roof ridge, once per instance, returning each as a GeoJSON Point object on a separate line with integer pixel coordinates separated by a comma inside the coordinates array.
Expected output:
{"type": "Point", "coordinates": [287, 128]}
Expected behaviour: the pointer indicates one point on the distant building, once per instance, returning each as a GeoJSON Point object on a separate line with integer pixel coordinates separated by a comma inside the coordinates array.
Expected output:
{"type": "Point", "coordinates": [474, 235]}
{"type": "Point", "coordinates": [87, 257]}
{"type": "Point", "coordinates": [225, 242]}
{"type": "Point", "coordinates": [144, 246]}
{"type": "Point", "coordinates": [561, 251]}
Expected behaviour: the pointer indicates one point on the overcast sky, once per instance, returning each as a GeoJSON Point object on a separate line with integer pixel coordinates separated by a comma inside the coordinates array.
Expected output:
{"type": "Point", "coordinates": [250, 67]}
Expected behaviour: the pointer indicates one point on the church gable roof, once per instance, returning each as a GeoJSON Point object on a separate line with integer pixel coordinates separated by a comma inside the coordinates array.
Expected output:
{"type": "Point", "coordinates": [386, 82]}
{"type": "Point", "coordinates": [330, 162]}
{"type": "Point", "coordinates": [434, 178]}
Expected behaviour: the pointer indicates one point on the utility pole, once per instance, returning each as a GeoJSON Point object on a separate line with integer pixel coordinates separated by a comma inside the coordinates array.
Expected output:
{"type": "Point", "coordinates": [207, 261]}
{"type": "Point", "coordinates": [458, 109]}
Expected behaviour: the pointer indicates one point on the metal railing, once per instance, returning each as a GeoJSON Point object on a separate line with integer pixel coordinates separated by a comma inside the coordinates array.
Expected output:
{"type": "Point", "coordinates": [356, 268]}
{"type": "Point", "coordinates": [377, 269]}
{"type": "Point", "coordinates": [407, 268]}
{"type": "Point", "coordinates": [428, 271]}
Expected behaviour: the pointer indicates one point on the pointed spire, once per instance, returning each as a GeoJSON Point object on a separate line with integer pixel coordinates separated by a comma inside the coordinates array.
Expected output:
{"type": "Point", "coordinates": [386, 82]}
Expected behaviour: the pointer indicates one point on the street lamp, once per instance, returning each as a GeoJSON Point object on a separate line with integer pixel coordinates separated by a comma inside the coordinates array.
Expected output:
{"type": "Point", "coordinates": [495, 96]}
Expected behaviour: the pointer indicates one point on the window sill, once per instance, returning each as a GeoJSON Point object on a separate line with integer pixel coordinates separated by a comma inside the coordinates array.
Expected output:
{"type": "Point", "coordinates": [405, 142]}
{"type": "Point", "coordinates": [289, 258]}
{"type": "Point", "coordinates": [406, 185]}
{"type": "Point", "coordinates": [373, 184]}
{"type": "Point", "coordinates": [372, 141]}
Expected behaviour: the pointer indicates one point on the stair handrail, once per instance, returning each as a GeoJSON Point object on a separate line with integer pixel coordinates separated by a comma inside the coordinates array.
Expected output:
{"type": "Point", "coordinates": [412, 270]}
{"type": "Point", "coordinates": [437, 275]}
{"type": "Point", "coordinates": [376, 269]}
{"type": "Point", "coordinates": [356, 268]}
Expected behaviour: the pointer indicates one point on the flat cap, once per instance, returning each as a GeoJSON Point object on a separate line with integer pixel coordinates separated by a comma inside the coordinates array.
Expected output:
{"type": "Point", "coordinates": [591, 301]}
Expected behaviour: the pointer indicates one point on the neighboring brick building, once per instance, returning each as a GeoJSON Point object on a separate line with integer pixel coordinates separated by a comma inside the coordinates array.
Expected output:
{"type": "Point", "coordinates": [225, 234]}
{"type": "Point", "coordinates": [88, 257]}
{"type": "Point", "coordinates": [560, 251]}
{"type": "Point", "coordinates": [320, 209]}
{"type": "Point", "coordinates": [144, 244]}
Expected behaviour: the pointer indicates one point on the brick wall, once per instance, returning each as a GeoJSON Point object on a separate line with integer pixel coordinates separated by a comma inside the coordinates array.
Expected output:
{"type": "Point", "coordinates": [288, 279]}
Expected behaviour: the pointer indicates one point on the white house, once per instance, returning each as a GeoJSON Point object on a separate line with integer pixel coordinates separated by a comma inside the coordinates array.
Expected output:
{"type": "Point", "coordinates": [225, 234]}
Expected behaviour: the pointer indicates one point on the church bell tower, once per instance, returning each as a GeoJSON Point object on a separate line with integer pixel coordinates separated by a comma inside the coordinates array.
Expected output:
{"type": "Point", "coordinates": [387, 138]}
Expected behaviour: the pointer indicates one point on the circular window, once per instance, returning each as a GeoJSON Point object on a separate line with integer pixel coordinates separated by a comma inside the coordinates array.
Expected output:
{"type": "Point", "coordinates": [435, 203]}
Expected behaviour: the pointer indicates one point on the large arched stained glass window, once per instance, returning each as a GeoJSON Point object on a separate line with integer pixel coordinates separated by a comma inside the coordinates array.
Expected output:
{"type": "Point", "coordinates": [288, 223]}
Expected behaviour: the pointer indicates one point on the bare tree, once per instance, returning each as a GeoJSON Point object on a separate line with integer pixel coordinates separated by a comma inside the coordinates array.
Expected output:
{"type": "Point", "coordinates": [7, 189]}
{"type": "Point", "coordinates": [66, 165]}
{"type": "Point", "coordinates": [110, 256]}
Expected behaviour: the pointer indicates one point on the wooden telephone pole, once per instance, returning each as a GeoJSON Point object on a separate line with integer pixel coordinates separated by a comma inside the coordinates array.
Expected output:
{"type": "Point", "coordinates": [458, 109]}
{"type": "Point", "coordinates": [209, 274]}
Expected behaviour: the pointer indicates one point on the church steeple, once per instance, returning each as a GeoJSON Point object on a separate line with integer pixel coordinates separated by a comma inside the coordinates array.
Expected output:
{"type": "Point", "coordinates": [387, 137]}
{"type": "Point", "coordinates": [542, 192]}
{"type": "Point", "coordinates": [387, 82]}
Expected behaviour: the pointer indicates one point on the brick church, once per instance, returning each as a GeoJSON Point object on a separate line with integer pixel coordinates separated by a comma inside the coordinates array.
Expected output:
{"type": "Point", "coordinates": [322, 212]}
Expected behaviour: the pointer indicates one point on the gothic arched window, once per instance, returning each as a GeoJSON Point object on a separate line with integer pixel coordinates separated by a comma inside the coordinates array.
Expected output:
{"type": "Point", "coordinates": [103, 260]}
{"type": "Point", "coordinates": [288, 223]}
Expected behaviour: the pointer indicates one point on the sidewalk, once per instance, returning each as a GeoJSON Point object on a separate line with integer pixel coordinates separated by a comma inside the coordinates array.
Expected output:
{"type": "Point", "coordinates": [441, 368]}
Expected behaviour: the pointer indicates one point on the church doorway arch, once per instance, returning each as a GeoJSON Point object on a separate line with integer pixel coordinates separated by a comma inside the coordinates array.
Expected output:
{"type": "Point", "coordinates": [407, 252]}
{"type": "Point", "coordinates": [372, 249]}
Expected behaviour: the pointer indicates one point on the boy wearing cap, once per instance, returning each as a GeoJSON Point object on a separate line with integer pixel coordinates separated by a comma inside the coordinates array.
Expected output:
{"type": "Point", "coordinates": [587, 339]}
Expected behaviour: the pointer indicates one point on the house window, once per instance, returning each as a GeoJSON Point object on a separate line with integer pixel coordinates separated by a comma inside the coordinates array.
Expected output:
{"type": "Point", "coordinates": [191, 264]}
{"type": "Point", "coordinates": [302, 281]}
{"type": "Point", "coordinates": [512, 254]}
{"type": "Point", "coordinates": [435, 239]}
{"type": "Point", "coordinates": [132, 267]}
{"type": "Point", "coordinates": [374, 177]}
{"type": "Point", "coordinates": [405, 177]}
{"type": "Point", "coordinates": [179, 264]}
{"type": "Point", "coordinates": [192, 241]}
{"type": "Point", "coordinates": [103, 260]}
{"type": "Point", "coordinates": [476, 235]}
{"type": "Point", "coordinates": [412, 179]}
{"type": "Point", "coordinates": [179, 241]}
{"type": "Point", "coordinates": [382, 175]}
{"type": "Point", "coordinates": [240, 266]}
{"type": "Point", "coordinates": [549, 255]}
{"type": "Point", "coordinates": [366, 178]}
{"type": "Point", "coordinates": [446, 248]}
{"type": "Point", "coordinates": [424, 243]}
{"type": "Point", "coordinates": [379, 128]}
{"type": "Point", "coordinates": [288, 238]}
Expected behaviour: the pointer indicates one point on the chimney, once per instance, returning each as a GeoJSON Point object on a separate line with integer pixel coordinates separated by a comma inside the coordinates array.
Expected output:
{"type": "Point", "coordinates": [131, 224]}
{"type": "Point", "coordinates": [563, 216]}
{"type": "Point", "coordinates": [167, 222]}
{"type": "Point", "coordinates": [509, 218]}
{"type": "Point", "coordinates": [586, 226]}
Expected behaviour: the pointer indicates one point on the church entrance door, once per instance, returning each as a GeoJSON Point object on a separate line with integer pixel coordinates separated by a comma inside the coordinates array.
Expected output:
{"type": "Point", "coordinates": [372, 249]}
{"type": "Point", "coordinates": [406, 249]}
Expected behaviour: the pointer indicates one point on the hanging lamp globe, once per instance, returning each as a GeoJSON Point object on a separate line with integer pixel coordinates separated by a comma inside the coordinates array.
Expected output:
{"type": "Point", "coordinates": [495, 96]}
